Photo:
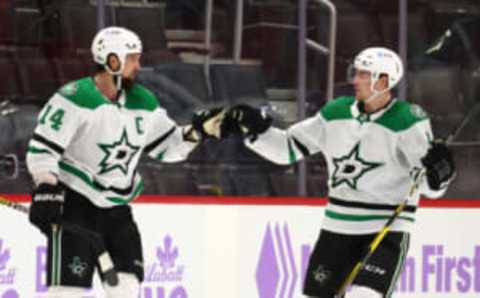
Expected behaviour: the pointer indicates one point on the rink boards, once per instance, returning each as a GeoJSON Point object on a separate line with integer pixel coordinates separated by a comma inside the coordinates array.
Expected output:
{"type": "Point", "coordinates": [217, 247]}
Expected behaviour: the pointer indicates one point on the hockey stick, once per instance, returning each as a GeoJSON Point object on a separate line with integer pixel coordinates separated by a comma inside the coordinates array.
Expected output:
{"type": "Point", "coordinates": [104, 260]}
{"type": "Point", "coordinates": [386, 228]}
{"type": "Point", "coordinates": [466, 119]}
{"type": "Point", "coordinates": [380, 236]}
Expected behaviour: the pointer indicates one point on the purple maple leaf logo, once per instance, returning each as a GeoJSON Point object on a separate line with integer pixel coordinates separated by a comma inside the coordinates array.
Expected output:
{"type": "Point", "coordinates": [168, 254]}
{"type": "Point", "coordinates": [4, 256]}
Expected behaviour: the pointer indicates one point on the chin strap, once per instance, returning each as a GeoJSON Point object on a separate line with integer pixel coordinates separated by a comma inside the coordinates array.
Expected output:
{"type": "Point", "coordinates": [118, 82]}
{"type": "Point", "coordinates": [117, 77]}
{"type": "Point", "coordinates": [376, 94]}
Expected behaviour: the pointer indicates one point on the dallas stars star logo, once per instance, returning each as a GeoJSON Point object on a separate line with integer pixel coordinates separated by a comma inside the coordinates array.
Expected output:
{"type": "Point", "coordinates": [349, 168]}
{"type": "Point", "coordinates": [118, 155]}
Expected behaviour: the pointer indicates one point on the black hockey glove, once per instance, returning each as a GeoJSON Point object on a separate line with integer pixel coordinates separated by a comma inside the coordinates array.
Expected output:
{"type": "Point", "coordinates": [207, 124]}
{"type": "Point", "coordinates": [47, 205]}
{"type": "Point", "coordinates": [246, 120]}
{"type": "Point", "coordinates": [439, 165]}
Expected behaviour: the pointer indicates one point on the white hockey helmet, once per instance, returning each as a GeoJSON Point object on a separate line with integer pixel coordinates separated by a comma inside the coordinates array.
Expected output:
{"type": "Point", "coordinates": [380, 61]}
{"type": "Point", "coordinates": [117, 41]}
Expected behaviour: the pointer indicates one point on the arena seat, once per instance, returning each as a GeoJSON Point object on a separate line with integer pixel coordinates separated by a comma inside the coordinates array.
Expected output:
{"type": "Point", "coordinates": [233, 84]}
{"type": "Point", "coordinates": [7, 20]}
{"type": "Point", "coordinates": [190, 76]}
{"type": "Point", "coordinates": [38, 77]}
{"type": "Point", "coordinates": [9, 84]}
{"type": "Point", "coordinates": [466, 184]}
{"type": "Point", "coordinates": [69, 69]}
{"type": "Point", "coordinates": [174, 95]}
{"type": "Point", "coordinates": [437, 89]}
{"type": "Point", "coordinates": [78, 25]}
{"type": "Point", "coordinates": [148, 23]}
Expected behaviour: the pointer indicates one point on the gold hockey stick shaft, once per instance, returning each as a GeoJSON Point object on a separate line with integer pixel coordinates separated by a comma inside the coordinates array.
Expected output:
{"type": "Point", "coordinates": [379, 237]}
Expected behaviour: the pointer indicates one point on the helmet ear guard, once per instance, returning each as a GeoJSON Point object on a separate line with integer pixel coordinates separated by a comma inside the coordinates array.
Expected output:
{"type": "Point", "coordinates": [113, 63]}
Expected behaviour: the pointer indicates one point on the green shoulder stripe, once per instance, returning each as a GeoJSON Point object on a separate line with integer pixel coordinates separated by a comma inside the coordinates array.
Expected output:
{"type": "Point", "coordinates": [83, 93]}
{"type": "Point", "coordinates": [338, 109]}
{"type": "Point", "coordinates": [402, 116]}
{"type": "Point", "coordinates": [140, 98]}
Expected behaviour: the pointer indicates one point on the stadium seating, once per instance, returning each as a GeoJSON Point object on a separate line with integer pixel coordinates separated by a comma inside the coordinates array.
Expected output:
{"type": "Point", "coordinates": [171, 179]}
{"type": "Point", "coordinates": [189, 76]}
{"type": "Point", "coordinates": [147, 22]}
{"type": "Point", "coordinates": [279, 64]}
{"type": "Point", "coordinates": [284, 182]}
{"type": "Point", "coordinates": [38, 78]}
{"type": "Point", "coordinates": [7, 35]}
{"type": "Point", "coordinates": [73, 36]}
{"type": "Point", "coordinates": [69, 69]}
{"type": "Point", "coordinates": [155, 57]}
{"type": "Point", "coordinates": [28, 27]}
{"type": "Point", "coordinates": [42, 48]}
{"type": "Point", "coordinates": [179, 90]}
{"type": "Point", "coordinates": [6, 134]}
{"type": "Point", "coordinates": [437, 90]}
{"type": "Point", "coordinates": [17, 128]}
{"type": "Point", "coordinates": [362, 32]}
{"type": "Point", "coordinates": [9, 84]}
{"type": "Point", "coordinates": [466, 183]}
{"type": "Point", "coordinates": [228, 90]}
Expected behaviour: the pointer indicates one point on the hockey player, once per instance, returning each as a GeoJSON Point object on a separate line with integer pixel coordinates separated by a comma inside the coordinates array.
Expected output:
{"type": "Point", "coordinates": [83, 158]}
{"type": "Point", "coordinates": [373, 144]}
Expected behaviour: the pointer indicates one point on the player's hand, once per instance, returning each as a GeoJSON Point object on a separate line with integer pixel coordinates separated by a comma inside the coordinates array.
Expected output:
{"type": "Point", "coordinates": [47, 205]}
{"type": "Point", "coordinates": [247, 120]}
{"type": "Point", "coordinates": [206, 124]}
{"type": "Point", "coordinates": [439, 165]}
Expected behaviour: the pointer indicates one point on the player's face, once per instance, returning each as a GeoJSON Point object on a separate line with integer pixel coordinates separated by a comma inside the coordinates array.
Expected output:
{"type": "Point", "coordinates": [132, 66]}
{"type": "Point", "coordinates": [361, 84]}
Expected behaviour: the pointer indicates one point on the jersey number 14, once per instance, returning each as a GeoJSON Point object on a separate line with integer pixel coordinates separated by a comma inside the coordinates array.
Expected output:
{"type": "Point", "coordinates": [55, 118]}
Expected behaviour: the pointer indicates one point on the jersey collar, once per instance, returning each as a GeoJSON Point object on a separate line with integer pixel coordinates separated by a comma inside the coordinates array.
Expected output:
{"type": "Point", "coordinates": [122, 96]}
{"type": "Point", "coordinates": [357, 114]}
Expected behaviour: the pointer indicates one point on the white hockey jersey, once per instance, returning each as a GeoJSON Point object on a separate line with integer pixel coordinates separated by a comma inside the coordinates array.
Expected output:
{"type": "Point", "coordinates": [371, 159]}
{"type": "Point", "coordinates": [93, 145]}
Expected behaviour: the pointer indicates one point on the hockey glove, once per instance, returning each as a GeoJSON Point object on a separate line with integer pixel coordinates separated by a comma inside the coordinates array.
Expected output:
{"type": "Point", "coordinates": [247, 120]}
{"type": "Point", "coordinates": [47, 205]}
{"type": "Point", "coordinates": [207, 124]}
{"type": "Point", "coordinates": [439, 165]}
